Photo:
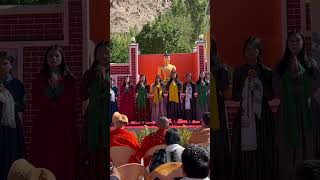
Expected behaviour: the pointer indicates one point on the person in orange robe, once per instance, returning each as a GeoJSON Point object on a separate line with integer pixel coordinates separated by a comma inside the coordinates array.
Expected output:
{"type": "Point", "coordinates": [120, 136]}
{"type": "Point", "coordinates": [153, 139]}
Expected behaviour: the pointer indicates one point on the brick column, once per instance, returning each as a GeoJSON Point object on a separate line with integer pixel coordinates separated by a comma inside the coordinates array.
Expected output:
{"type": "Point", "coordinates": [308, 30]}
{"type": "Point", "coordinates": [201, 54]}
{"type": "Point", "coordinates": [133, 61]}
{"type": "Point", "coordinates": [293, 15]}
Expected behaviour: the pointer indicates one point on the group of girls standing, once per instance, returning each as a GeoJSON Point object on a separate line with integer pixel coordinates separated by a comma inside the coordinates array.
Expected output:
{"type": "Point", "coordinates": [269, 145]}
{"type": "Point", "coordinates": [174, 100]}
{"type": "Point", "coordinates": [54, 139]}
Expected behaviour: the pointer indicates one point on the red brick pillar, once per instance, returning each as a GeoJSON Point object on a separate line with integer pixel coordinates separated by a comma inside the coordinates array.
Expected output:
{"type": "Point", "coordinates": [133, 61]}
{"type": "Point", "coordinates": [201, 54]}
{"type": "Point", "coordinates": [308, 30]}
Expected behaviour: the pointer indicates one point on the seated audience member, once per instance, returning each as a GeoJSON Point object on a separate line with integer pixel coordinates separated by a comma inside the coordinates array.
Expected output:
{"type": "Point", "coordinates": [202, 135]}
{"type": "Point", "coordinates": [172, 153]}
{"type": "Point", "coordinates": [308, 170]}
{"type": "Point", "coordinates": [195, 163]}
{"type": "Point", "coordinates": [153, 139]}
{"type": "Point", "coordinates": [120, 136]}
{"type": "Point", "coordinates": [23, 170]}
{"type": "Point", "coordinates": [114, 174]}
{"type": "Point", "coordinates": [174, 150]}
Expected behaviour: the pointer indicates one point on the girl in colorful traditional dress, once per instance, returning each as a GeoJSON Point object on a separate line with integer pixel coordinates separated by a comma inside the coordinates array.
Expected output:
{"type": "Point", "coordinates": [142, 90]}
{"type": "Point", "coordinates": [113, 100]}
{"type": "Point", "coordinates": [189, 106]}
{"type": "Point", "coordinates": [127, 99]}
{"type": "Point", "coordinates": [12, 94]}
{"type": "Point", "coordinates": [53, 133]}
{"type": "Point", "coordinates": [95, 88]}
{"type": "Point", "coordinates": [253, 142]}
{"type": "Point", "coordinates": [295, 85]}
{"type": "Point", "coordinates": [158, 105]}
{"type": "Point", "coordinates": [174, 88]}
{"type": "Point", "coordinates": [203, 91]}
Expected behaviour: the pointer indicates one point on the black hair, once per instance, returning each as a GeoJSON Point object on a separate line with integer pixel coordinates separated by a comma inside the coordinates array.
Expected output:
{"type": "Point", "coordinates": [45, 70]}
{"type": "Point", "coordinates": [195, 161]}
{"type": "Point", "coordinates": [145, 79]}
{"type": "Point", "coordinates": [258, 46]}
{"type": "Point", "coordinates": [206, 118]}
{"type": "Point", "coordinates": [124, 81]}
{"type": "Point", "coordinates": [204, 78]}
{"type": "Point", "coordinates": [155, 79]}
{"type": "Point", "coordinates": [95, 62]}
{"type": "Point", "coordinates": [4, 56]}
{"type": "Point", "coordinates": [172, 137]}
{"type": "Point", "coordinates": [177, 77]}
{"type": "Point", "coordinates": [285, 62]}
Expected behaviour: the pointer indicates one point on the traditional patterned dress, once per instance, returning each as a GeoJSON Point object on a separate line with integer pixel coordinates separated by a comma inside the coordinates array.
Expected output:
{"type": "Point", "coordinates": [54, 139]}
{"type": "Point", "coordinates": [189, 106]}
{"type": "Point", "coordinates": [113, 102]}
{"type": "Point", "coordinates": [127, 102]}
{"type": "Point", "coordinates": [295, 125]}
{"type": "Point", "coordinates": [95, 88]}
{"type": "Point", "coordinates": [142, 102]}
{"type": "Point", "coordinates": [158, 104]}
{"type": "Point", "coordinates": [12, 146]}
{"type": "Point", "coordinates": [202, 105]}
{"type": "Point", "coordinates": [253, 134]}
{"type": "Point", "coordinates": [173, 105]}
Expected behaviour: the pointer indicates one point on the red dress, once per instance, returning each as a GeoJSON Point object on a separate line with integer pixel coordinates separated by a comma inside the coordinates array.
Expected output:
{"type": "Point", "coordinates": [127, 97]}
{"type": "Point", "coordinates": [53, 132]}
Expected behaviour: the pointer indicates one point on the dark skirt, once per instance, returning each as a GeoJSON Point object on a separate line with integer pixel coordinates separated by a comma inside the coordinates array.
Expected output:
{"type": "Point", "coordinates": [221, 146]}
{"type": "Point", "coordinates": [290, 157]}
{"type": "Point", "coordinates": [262, 163]}
{"type": "Point", "coordinates": [315, 109]}
{"type": "Point", "coordinates": [190, 114]}
{"type": "Point", "coordinates": [12, 147]}
{"type": "Point", "coordinates": [173, 110]}
{"type": "Point", "coordinates": [112, 110]}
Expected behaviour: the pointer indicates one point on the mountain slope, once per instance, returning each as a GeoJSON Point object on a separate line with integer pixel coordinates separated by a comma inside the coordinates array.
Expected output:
{"type": "Point", "coordinates": [130, 13]}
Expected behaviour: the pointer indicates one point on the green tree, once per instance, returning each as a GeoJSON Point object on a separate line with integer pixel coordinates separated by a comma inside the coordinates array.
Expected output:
{"type": "Point", "coordinates": [119, 48]}
{"type": "Point", "coordinates": [167, 33]}
{"type": "Point", "coordinates": [178, 8]}
{"type": "Point", "coordinates": [198, 12]}
{"type": "Point", "coordinates": [119, 45]}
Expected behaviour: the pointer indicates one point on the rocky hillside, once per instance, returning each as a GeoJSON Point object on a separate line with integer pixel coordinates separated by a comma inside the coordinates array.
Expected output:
{"type": "Point", "coordinates": [131, 13]}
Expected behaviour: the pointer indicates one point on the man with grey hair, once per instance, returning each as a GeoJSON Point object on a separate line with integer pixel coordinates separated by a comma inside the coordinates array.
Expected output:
{"type": "Point", "coordinates": [163, 123]}
{"type": "Point", "coordinates": [153, 139]}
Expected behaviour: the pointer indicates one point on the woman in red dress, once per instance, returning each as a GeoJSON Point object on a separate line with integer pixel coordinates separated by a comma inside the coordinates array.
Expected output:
{"type": "Point", "coordinates": [53, 133]}
{"type": "Point", "coordinates": [127, 95]}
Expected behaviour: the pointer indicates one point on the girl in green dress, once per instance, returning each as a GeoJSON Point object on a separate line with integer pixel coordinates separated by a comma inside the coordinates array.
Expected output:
{"type": "Point", "coordinates": [142, 90]}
